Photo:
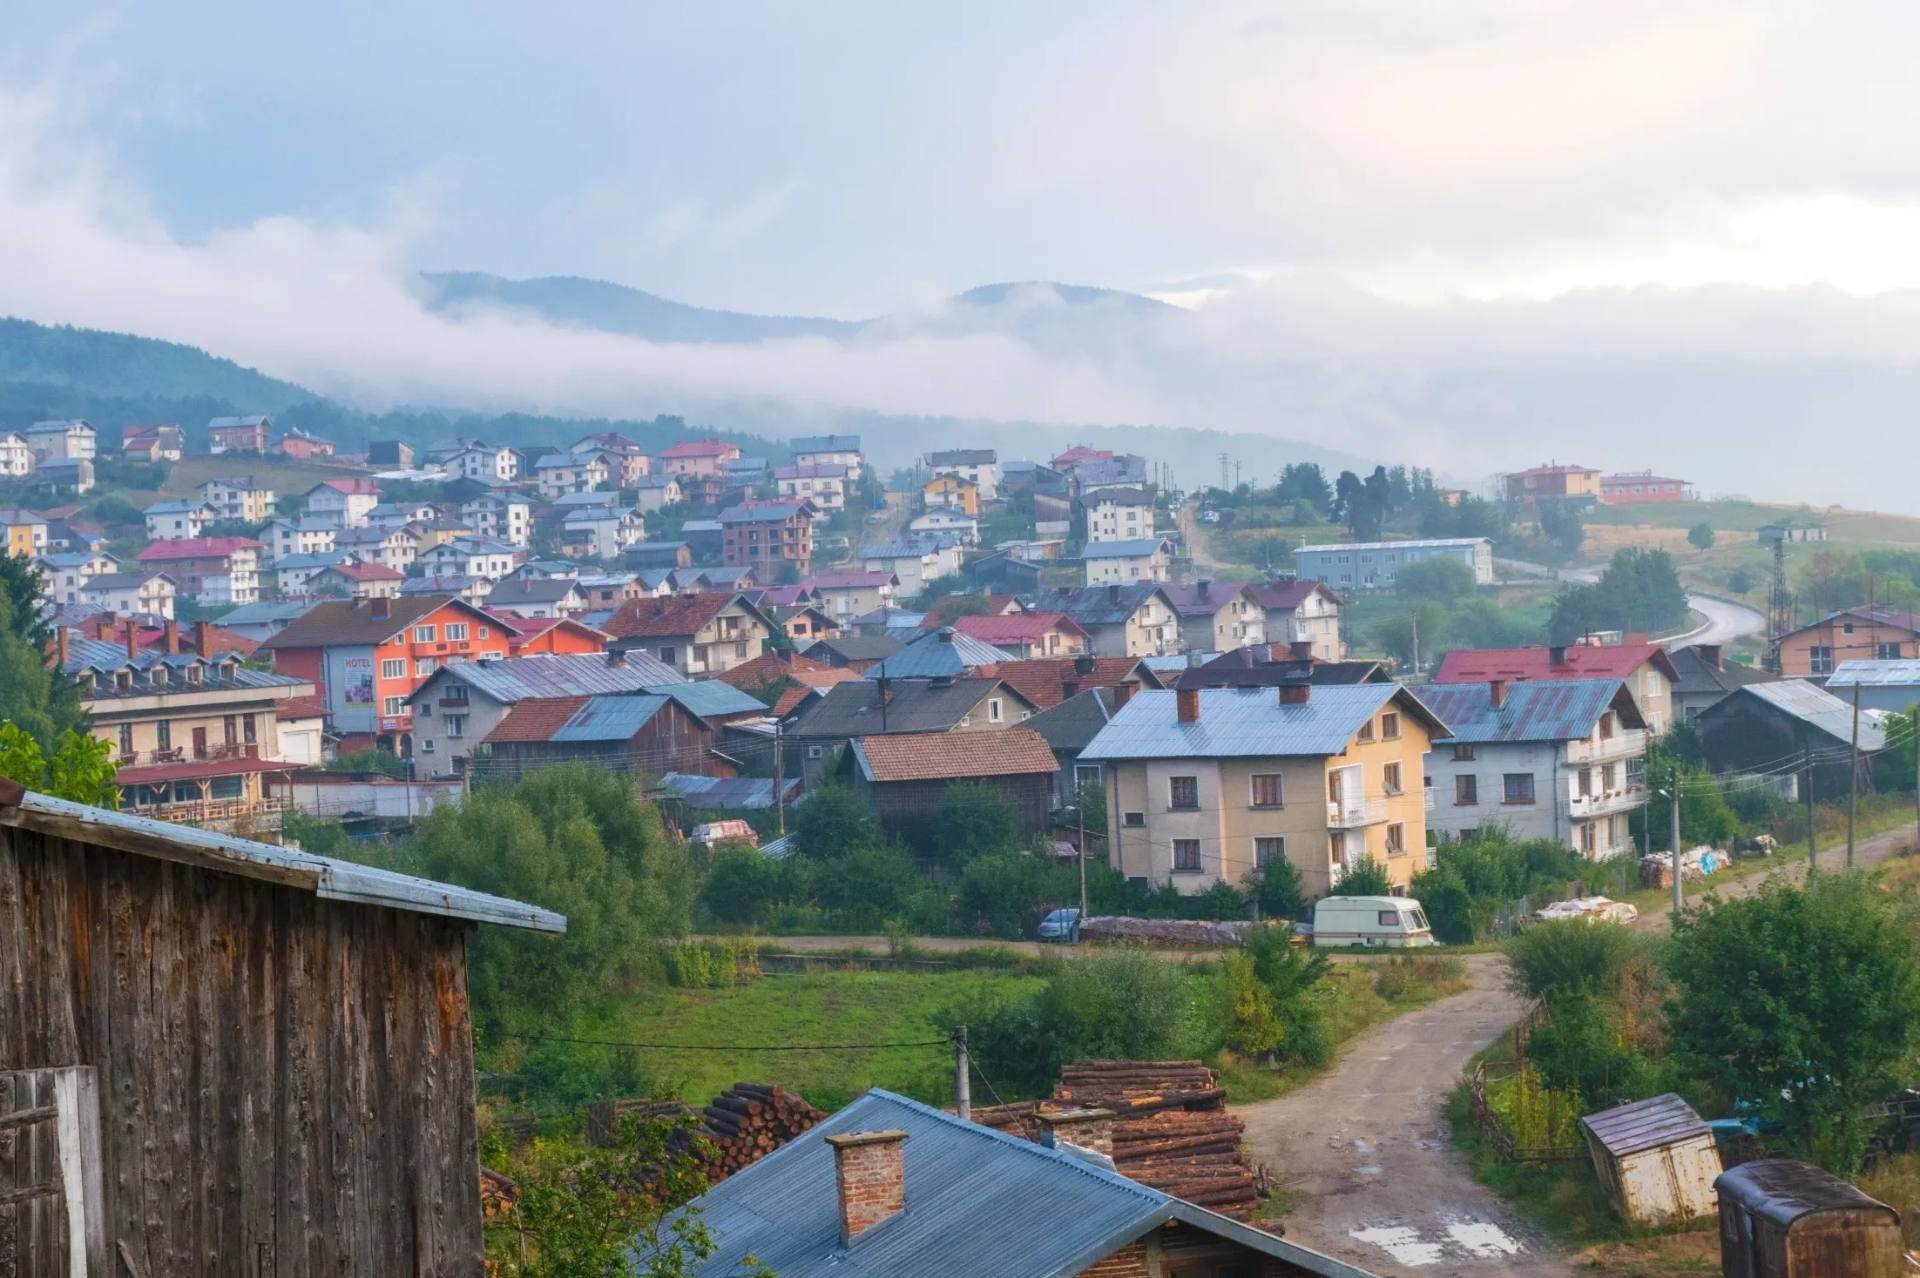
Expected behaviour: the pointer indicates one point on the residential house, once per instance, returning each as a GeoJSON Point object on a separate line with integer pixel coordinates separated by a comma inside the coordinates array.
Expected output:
{"type": "Point", "coordinates": [825, 725]}
{"type": "Point", "coordinates": [477, 557]}
{"type": "Point", "coordinates": [1119, 514]}
{"type": "Point", "coordinates": [785, 678]}
{"type": "Point", "coordinates": [1127, 561]}
{"type": "Point", "coordinates": [1563, 760]}
{"type": "Point", "coordinates": [293, 574]}
{"type": "Point", "coordinates": [1047, 681]}
{"type": "Point", "coordinates": [948, 609]}
{"type": "Point", "coordinates": [568, 503]}
{"type": "Point", "coordinates": [1272, 664]}
{"type": "Point", "coordinates": [951, 492]}
{"type": "Point", "coordinates": [502, 517]}
{"type": "Point", "coordinates": [981, 465]}
{"type": "Point", "coordinates": [357, 580]}
{"type": "Point", "coordinates": [344, 501]}
{"type": "Point", "coordinates": [26, 533]}
{"type": "Point", "coordinates": [238, 434]}
{"type": "Point", "coordinates": [1100, 473]}
{"type": "Point", "coordinates": [916, 560]}
{"type": "Point", "coordinates": [672, 730]}
{"type": "Point", "coordinates": [944, 653]}
{"type": "Point", "coordinates": [610, 589]}
{"type": "Point", "coordinates": [1217, 616]}
{"type": "Point", "coordinates": [367, 656]}
{"type": "Point", "coordinates": [390, 454]}
{"type": "Point", "coordinates": [473, 590]}
{"type": "Point", "coordinates": [601, 533]}
{"type": "Point", "coordinates": [68, 530]}
{"type": "Point", "coordinates": [150, 593]}
{"type": "Point", "coordinates": [1890, 686]}
{"type": "Point", "coordinates": [1027, 634]}
{"type": "Point", "coordinates": [306, 535]}
{"type": "Point", "coordinates": [1706, 676]}
{"type": "Point", "coordinates": [155, 443]}
{"type": "Point", "coordinates": [16, 456]}
{"type": "Point", "coordinates": [398, 514]}
{"type": "Point", "coordinates": [694, 634]}
{"type": "Point", "coordinates": [846, 595]}
{"type": "Point", "coordinates": [829, 450]}
{"type": "Point", "coordinates": [215, 571]}
{"type": "Point", "coordinates": [544, 636]}
{"type": "Point", "coordinates": [70, 474]}
{"type": "Point", "coordinates": [238, 498]}
{"type": "Point", "coordinates": [803, 623]}
{"type": "Point", "coordinates": [396, 548]}
{"type": "Point", "coordinates": [558, 473]}
{"type": "Point", "coordinates": [457, 705]}
{"type": "Point", "coordinates": [963, 528]}
{"type": "Point", "coordinates": [61, 441]}
{"type": "Point", "coordinates": [1301, 612]}
{"type": "Point", "coordinates": [65, 573]}
{"type": "Point", "coordinates": [768, 535]}
{"type": "Point", "coordinates": [854, 651]}
{"type": "Point", "coordinates": [887, 1185]}
{"type": "Point", "coordinates": [1871, 632]}
{"type": "Point", "coordinates": [705, 458]}
{"type": "Point", "coordinates": [303, 445]}
{"type": "Point", "coordinates": [659, 554]}
{"type": "Point", "coordinates": [1646, 668]}
{"type": "Point", "coordinates": [288, 1031]}
{"type": "Point", "coordinates": [1552, 481]}
{"type": "Point", "coordinates": [178, 518]}
{"type": "Point", "coordinates": [903, 779]}
{"type": "Point", "coordinates": [483, 461]}
{"type": "Point", "coordinates": [1070, 461]}
{"type": "Point", "coordinates": [1068, 728]}
{"type": "Point", "coordinates": [825, 486]}
{"type": "Point", "coordinates": [1206, 786]}
{"type": "Point", "coordinates": [1763, 727]}
{"type": "Point", "coordinates": [261, 621]}
{"type": "Point", "coordinates": [541, 597]}
{"type": "Point", "coordinates": [1371, 565]}
{"type": "Point", "coordinates": [627, 463]}
{"type": "Point", "coordinates": [438, 532]}
{"type": "Point", "coordinates": [707, 539]}
{"type": "Point", "coordinates": [1134, 620]}
{"type": "Point", "coordinates": [1642, 489]}
{"type": "Point", "coordinates": [656, 492]}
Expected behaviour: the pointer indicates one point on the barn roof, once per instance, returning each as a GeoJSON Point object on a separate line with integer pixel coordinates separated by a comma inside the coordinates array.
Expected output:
{"type": "Point", "coordinates": [323, 876]}
{"type": "Point", "coordinates": [1559, 710]}
{"type": "Point", "coordinates": [1645, 1124]}
{"type": "Point", "coordinates": [945, 756]}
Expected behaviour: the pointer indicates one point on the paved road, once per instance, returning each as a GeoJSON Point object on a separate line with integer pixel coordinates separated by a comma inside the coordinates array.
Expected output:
{"type": "Point", "coordinates": [1866, 852]}
{"type": "Point", "coordinates": [1366, 1146]}
{"type": "Point", "coordinates": [1724, 621]}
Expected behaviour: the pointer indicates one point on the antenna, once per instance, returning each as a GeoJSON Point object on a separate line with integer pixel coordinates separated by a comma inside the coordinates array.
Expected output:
{"type": "Point", "coordinates": [1779, 605]}
{"type": "Point", "coordinates": [1225, 461]}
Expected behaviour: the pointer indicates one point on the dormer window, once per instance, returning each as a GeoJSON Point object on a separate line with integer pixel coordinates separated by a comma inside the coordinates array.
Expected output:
{"type": "Point", "coordinates": [195, 674]}
{"type": "Point", "coordinates": [123, 679]}
{"type": "Point", "coordinates": [157, 676]}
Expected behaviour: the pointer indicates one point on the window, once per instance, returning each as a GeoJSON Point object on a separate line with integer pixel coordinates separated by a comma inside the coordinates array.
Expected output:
{"type": "Point", "coordinates": [1586, 838]}
{"type": "Point", "coordinates": [1517, 787]}
{"type": "Point", "coordinates": [483, 632]}
{"type": "Point", "coordinates": [1820, 660]}
{"type": "Point", "coordinates": [456, 725]}
{"type": "Point", "coordinates": [393, 707]}
{"type": "Point", "coordinates": [1609, 774]}
{"type": "Point", "coordinates": [667, 655]}
{"type": "Point", "coordinates": [1887, 651]}
{"type": "Point", "coordinates": [1186, 856]}
{"type": "Point", "coordinates": [424, 666]}
{"type": "Point", "coordinates": [1584, 788]}
{"type": "Point", "coordinates": [1269, 851]}
{"type": "Point", "coordinates": [126, 741]}
{"type": "Point", "coordinates": [456, 632]}
{"type": "Point", "coordinates": [1463, 754]}
{"type": "Point", "coordinates": [816, 752]}
{"type": "Point", "coordinates": [1466, 790]}
{"type": "Point", "coordinates": [1636, 772]}
{"type": "Point", "coordinates": [1388, 918]}
{"type": "Point", "coordinates": [995, 710]}
{"type": "Point", "coordinates": [164, 734]}
{"type": "Point", "coordinates": [1847, 629]}
{"type": "Point", "coordinates": [1365, 734]}
{"type": "Point", "coordinates": [424, 634]}
{"type": "Point", "coordinates": [424, 710]}
{"type": "Point", "coordinates": [426, 746]}
{"type": "Point", "coordinates": [1133, 818]}
{"type": "Point", "coordinates": [249, 730]}
{"type": "Point", "coordinates": [1390, 726]}
{"type": "Point", "coordinates": [1086, 774]}
{"type": "Point", "coordinates": [1390, 778]}
{"type": "Point", "coordinates": [393, 668]}
{"type": "Point", "coordinates": [1183, 792]}
{"type": "Point", "coordinates": [1396, 839]}
{"type": "Point", "coordinates": [1266, 791]}
{"type": "Point", "coordinates": [1606, 726]}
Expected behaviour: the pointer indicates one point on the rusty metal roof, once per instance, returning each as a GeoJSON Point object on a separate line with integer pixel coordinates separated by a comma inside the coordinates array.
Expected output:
{"type": "Point", "coordinates": [1559, 710]}
{"type": "Point", "coordinates": [1647, 1124]}
{"type": "Point", "coordinates": [1782, 1191]}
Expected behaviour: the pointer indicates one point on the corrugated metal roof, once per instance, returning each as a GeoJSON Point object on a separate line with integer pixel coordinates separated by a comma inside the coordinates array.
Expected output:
{"type": "Point", "coordinates": [727, 792]}
{"type": "Point", "coordinates": [1818, 707]}
{"type": "Point", "coordinates": [710, 697]}
{"type": "Point", "coordinates": [1124, 549]}
{"type": "Point", "coordinates": [557, 675]}
{"type": "Point", "coordinates": [1875, 674]}
{"type": "Point", "coordinates": [609, 718]}
{"type": "Point", "coordinates": [1428, 544]}
{"type": "Point", "coordinates": [1647, 1124]}
{"type": "Point", "coordinates": [1562, 710]}
{"type": "Point", "coordinates": [323, 876]}
{"type": "Point", "coordinates": [938, 652]}
{"type": "Point", "coordinates": [1241, 723]}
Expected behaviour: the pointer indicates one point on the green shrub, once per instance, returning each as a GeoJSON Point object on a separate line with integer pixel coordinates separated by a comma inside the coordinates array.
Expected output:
{"type": "Point", "coordinates": [1573, 957]}
{"type": "Point", "coordinates": [742, 886]}
{"type": "Point", "coordinates": [1368, 878]}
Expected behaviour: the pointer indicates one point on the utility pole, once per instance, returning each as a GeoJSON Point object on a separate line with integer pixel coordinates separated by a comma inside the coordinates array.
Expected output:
{"type": "Point", "coordinates": [962, 1092]}
{"type": "Point", "coordinates": [1853, 776]}
{"type": "Point", "coordinates": [1813, 851]}
{"type": "Point", "coordinates": [1083, 863]}
{"type": "Point", "coordinates": [1224, 462]}
{"type": "Point", "coordinates": [779, 782]}
{"type": "Point", "coordinates": [1414, 617]}
{"type": "Point", "coordinates": [1674, 784]}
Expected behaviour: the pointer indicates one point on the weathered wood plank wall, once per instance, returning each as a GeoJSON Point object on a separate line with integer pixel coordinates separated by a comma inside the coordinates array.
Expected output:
{"type": "Point", "coordinates": [286, 1083]}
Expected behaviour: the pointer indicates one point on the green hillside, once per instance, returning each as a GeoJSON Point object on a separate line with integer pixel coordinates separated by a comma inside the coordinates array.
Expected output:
{"type": "Point", "coordinates": [110, 366]}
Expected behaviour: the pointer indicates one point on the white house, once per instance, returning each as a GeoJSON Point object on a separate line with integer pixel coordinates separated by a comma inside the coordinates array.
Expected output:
{"type": "Point", "coordinates": [601, 532]}
{"type": "Point", "coordinates": [293, 573]}
{"type": "Point", "coordinates": [981, 465]}
{"type": "Point", "coordinates": [499, 517]}
{"type": "Point", "coordinates": [178, 518]}
{"type": "Point", "coordinates": [238, 498]}
{"type": "Point", "coordinates": [16, 455]}
{"type": "Point", "coordinates": [558, 473]}
{"type": "Point", "coordinates": [829, 450]}
{"type": "Point", "coordinates": [1119, 514]}
{"type": "Point", "coordinates": [1561, 759]}
{"type": "Point", "coordinates": [915, 561]}
{"type": "Point", "coordinates": [398, 514]}
{"type": "Point", "coordinates": [394, 548]}
{"type": "Point", "coordinates": [656, 491]}
{"type": "Point", "coordinates": [343, 501]}
{"type": "Point", "coordinates": [823, 485]}
{"type": "Point", "coordinates": [1302, 612]}
{"type": "Point", "coordinates": [957, 524]}
{"type": "Point", "coordinates": [303, 536]}
{"type": "Point", "coordinates": [844, 595]}
{"type": "Point", "coordinates": [148, 592]}
{"type": "Point", "coordinates": [1369, 565]}
{"type": "Point", "coordinates": [482, 461]}
{"type": "Point", "coordinates": [65, 574]}
{"type": "Point", "coordinates": [61, 441]}
{"type": "Point", "coordinates": [472, 557]}
{"type": "Point", "coordinates": [1146, 559]}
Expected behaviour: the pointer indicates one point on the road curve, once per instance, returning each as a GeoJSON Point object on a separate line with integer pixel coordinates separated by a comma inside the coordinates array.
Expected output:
{"type": "Point", "coordinates": [1725, 621]}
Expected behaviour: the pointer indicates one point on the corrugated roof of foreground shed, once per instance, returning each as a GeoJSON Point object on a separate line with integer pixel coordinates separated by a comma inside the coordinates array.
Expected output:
{"type": "Point", "coordinates": [978, 1202]}
{"type": "Point", "coordinates": [1248, 723]}
{"type": "Point", "coordinates": [1647, 1124]}
{"type": "Point", "coordinates": [945, 756]}
{"type": "Point", "coordinates": [1564, 710]}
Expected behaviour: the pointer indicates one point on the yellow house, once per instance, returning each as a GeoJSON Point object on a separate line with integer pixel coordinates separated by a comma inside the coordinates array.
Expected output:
{"type": "Point", "coordinates": [1207, 785]}
{"type": "Point", "coordinates": [952, 492]}
{"type": "Point", "coordinates": [26, 533]}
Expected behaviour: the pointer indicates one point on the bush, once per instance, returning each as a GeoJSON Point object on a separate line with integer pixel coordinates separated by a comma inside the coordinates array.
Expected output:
{"type": "Point", "coordinates": [1442, 581]}
{"type": "Point", "coordinates": [1700, 536]}
{"type": "Point", "coordinates": [868, 885]}
{"type": "Point", "coordinates": [1275, 888]}
{"type": "Point", "coordinates": [1552, 960]}
{"type": "Point", "coordinates": [743, 886]}
{"type": "Point", "coordinates": [973, 821]}
{"type": "Point", "coordinates": [1245, 1015]}
{"type": "Point", "coordinates": [833, 822]}
{"type": "Point", "coordinates": [1368, 878]}
{"type": "Point", "coordinates": [384, 762]}
{"type": "Point", "coordinates": [999, 890]}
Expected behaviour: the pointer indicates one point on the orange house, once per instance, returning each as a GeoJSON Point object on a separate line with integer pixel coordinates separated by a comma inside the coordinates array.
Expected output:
{"type": "Point", "coordinates": [952, 492]}
{"type": "Point", "coordinates": [1872, 632]}
{"type": "Point", "coordinates": [551, 635]}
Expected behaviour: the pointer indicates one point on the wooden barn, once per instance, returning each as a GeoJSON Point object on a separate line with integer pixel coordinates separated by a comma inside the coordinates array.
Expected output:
{"type": "Point", "coordinates": [224, 1059]}
{"type": "Point", "coordinates": [904, 777]}
{"type": "Point", "coordinates": [674, 728]}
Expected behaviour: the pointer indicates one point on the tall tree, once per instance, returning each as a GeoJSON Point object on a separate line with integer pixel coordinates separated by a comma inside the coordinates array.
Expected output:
{"type": "Point", "coordinates": [42, 702]}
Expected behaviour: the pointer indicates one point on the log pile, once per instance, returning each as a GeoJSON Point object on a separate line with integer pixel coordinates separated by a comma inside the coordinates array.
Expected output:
{"type": "Point", "coordinates": [747, 1122]}
{"type": "Point", "coordinates": [1021, 1118]}
{"type": "Point", "coordinates": [603, 1120]}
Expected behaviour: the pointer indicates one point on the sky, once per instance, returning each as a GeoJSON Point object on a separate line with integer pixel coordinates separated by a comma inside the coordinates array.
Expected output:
{"type": "Point", "coordinates": [1460, 232]}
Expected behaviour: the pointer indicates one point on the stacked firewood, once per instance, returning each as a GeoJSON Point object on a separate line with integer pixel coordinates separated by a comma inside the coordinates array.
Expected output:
{"type": "Point", "coordinates": [603, 1120]}
{"type": "Point", "coordinates": [747, 1122]}
{"type": "Point", "coordinates": [1171, 1130]}
{"type": "Point", "coordinates": [1021, 1118]}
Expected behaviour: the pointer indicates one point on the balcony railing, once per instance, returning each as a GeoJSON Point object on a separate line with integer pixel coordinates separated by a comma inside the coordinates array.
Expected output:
{"type": "Point", "coordinates": [1345, 816]}
{"type": "Point", "coordinates": [1620, 745]}
{"type": "Point", "coordinates": [1608, 801]}
{"type": "Point", "coordinates": [195, 811]}
{"type": "Point", "coordinates": [184, 754]}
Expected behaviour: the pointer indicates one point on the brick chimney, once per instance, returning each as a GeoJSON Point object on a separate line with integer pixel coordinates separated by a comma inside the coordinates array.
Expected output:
{"type": "Point", "coordinates": [1083, 664]}
{"type": "Point", "coordinates": [870, 1170]}
{"type": "Point", "coordinates": [173, 637]}
{"type": "Point", "coordinates": [382, 607]}
{"type": "Point", "coordinates": [1497, 692]}
{"type": "Point", "coordinates": [1557, 655]}
{"type": "Point", "coordinates": [1203, 587]}
{"type": "Point", "coordinates": [1187, 704]}
{"type": "Point", "coordinates": [1087, 1128]}
{"type": "Point", "coordinates": [203, 639]}
{"type": "Point", "coordinates": [1301, 649]}
{"type": "Point", "coordinates": [103, 626]}
{"type": "Point", "coordinates": [133, 639]}
{"type": "Point", "coordinates": [60, 642]}
{"type": "Point", "coordinates": [1296, 693]}
{"type": "Point", "coordinates": [1710, 654]}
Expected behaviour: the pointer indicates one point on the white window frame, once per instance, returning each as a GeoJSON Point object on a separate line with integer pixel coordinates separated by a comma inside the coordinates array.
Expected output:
{"type": "Point", "coordinates": [393, 667]}
{"type": "Point", "coordinates": [456, 632]}
{"type": "Point", "coordinates": [393, 707]}
{"type": "Point", "coordinates": [425, 634]}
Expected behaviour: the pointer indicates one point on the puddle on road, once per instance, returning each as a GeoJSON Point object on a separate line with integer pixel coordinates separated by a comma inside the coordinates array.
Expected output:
{"type": "Point", "coordinates": [1483, 1239]}
{"type": "Point", "coordinates": [1478, 1239]}
{"type": "Point", "coordinates": [1401, 1243]}
{"type": "Point", "coordinates": [1366, 1171]}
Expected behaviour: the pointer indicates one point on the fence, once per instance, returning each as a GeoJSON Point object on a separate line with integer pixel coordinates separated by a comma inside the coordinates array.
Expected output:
{"type": "Point", "coordinates": [1499, 1136]}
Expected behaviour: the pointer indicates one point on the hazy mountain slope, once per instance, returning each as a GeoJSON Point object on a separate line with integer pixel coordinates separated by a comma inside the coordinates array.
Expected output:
{"type": "Point", "coordinates": [614, 308]}
{"type": "Point", "coordinates": [123, 366]}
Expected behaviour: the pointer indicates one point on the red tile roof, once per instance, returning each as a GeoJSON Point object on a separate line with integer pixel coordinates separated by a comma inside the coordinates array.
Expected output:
{"type": "Point", "coordinates": [197, 548]}
{"type": "Point", "coordinates": [666, 618]}
{"type": "Point", "coordinates": [1080, 453]}
{"type": "Point", "coordinates": [942, 756]}
{"type": "Point", "coordinates": [301, 708]}
{"type": "Point", "coordinates": [352, 487]}
{"type": "Point", "coordinates": [1018, 627]}
{"type": "Point", "coordinates": [366, 572]}
{"type": "Point", "coordinates": [769, 666]}
{"type": "Point", "coordinates": [1583, 661]}
{"type": "Point", "coordinates": [536, 719]}
{"type": "Point", "coordinates": [1044, 680]}
{"type": "Point", "coordinates": [699, 448]}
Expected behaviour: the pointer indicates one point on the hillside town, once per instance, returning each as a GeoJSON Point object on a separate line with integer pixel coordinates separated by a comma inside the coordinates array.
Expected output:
{"type": "Point", "coordinates": [973, 705]}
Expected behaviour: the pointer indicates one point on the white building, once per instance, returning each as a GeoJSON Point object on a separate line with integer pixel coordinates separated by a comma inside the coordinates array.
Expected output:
{"type": "Point", "coordinates": [957, 524]}
{"type": "Point", "coordinates": [178, 519]}
{"type": "Point", "coordinates": [238, 498]}
{"type": "Point", "coordinates": [398, 514]}
{"type": "Point", "coordinates": [1370, 565]}
{"type": "Point", "coordinates": [1119, 514]}
{"type": "Point", "coordinates": [61, 441]}
{"type": "Point", "coordinates": [293, 573]}
{"type": "Point", "coordinates": [915, 561]}
{"type": "Point", "coordinates": [472, 557]}
{"type": "Point", "coordinates": [558, 473]}
{"type": "Point", "coordinates": [1125, 562]}
{"type": "Point", "coordinates": [303, 536]}
{"type": "Point", "coordinates": [16, 456]}
{"type": "Point", "coordinates": [823, 485]}
{"type": "Point", "coordinates": [829, 450]}
{"type": "Point", "coordinates": [981, 465]}
{"type": "Point", "coordinates": [394, 548]}
{"type": "Point", "coordinates": [482, 461]}
{"type": "Point", "coordinates": [602, 532]}
{"type": "Point", "coordinates": [656, 491]}
{"type": "Point", "coordinates": [147, 592]}
{"type": "Point", "coordinates": [65, 574]}
{"type": "Point", "coordinates": [345, 502]}
{"type": "Point", "coordinates": [499, 517]}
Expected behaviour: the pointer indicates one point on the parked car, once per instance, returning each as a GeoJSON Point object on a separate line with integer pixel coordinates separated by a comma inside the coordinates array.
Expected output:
{"type": "Point", "coordinates": [1209, 516]}
{"type": "Point", "coordinates": [1062, 925]}
{"type": "Point", "coordinates": [1395, 922]}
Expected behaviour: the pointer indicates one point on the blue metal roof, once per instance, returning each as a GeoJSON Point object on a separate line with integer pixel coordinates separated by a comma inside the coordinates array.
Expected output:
{"type": "Point", "coordinates": [727, 792]}
{"type": "Point", "coordinates": [711, 697]}
{"type": "Point", "coordinates": [1542, 710]}
{"type": "Point", "coordinates": [1126, 550]}
{"type": "Point", "coordinates": [558, 675]}
{"type": "Point", "coordinates": [1899, 673]}
{"type": "Point", "coordinates": [1241, 723]}
{"type": "Point", "coordinates": [977, 1202]}
{"type": "Point", "coordinates": [939, 652]}
{"type": "Point", "coordinates": [609, 718]}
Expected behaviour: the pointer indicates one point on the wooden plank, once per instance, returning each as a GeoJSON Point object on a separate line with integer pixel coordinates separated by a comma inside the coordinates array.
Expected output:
{"type": "Point", "coordinates": [13, 940]}
{"type": "Point", "coordinates": [159, 846]}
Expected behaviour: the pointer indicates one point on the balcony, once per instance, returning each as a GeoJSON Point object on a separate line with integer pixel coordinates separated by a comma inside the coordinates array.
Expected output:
{"type": "Point", "coordinates": [1347, 816]}
{"type": "Point", "coordinates": [1622, 745]}
{"type": "Point", "coordinates": [1608, 802]}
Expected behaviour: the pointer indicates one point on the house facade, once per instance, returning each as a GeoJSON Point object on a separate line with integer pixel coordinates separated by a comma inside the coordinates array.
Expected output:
{"type": "Point", "coordinates": [344, 501]}
{"type": "Point", "coordinates": [1646, 669]}
{"type": "Point", "coordinates": [238, 434]}
{"type": "Point", "coordinates": [703, 458]}
{"type": "Point", "coordinates": [61, 441]}
{"type": "Point", "coordinates": [1119, 514]}
{"type": "Point", "coordinates": [1642, 489]}
{"type": "Point", "coordinates": [1216, 616]}
{"type": "Point", "coordinates": [1552, 481]}
{"type": "Point", "coordinates": [149, 594]}
{"type": "Point", "coordinates": [473, 558]}
{"type": "Point", "coordinates": [1127, 562]}
{"type": "Point", "coordinates": [238, 498]}
{"type": "Point", "coordinates": [656, 492]}
{"type": "Point", "coordinates": [499, 517]}
{"type": "Point", "coordinates": [558, 473]}
{"type": "Point", "coordinates": [155, 443]}
{"type": "Point", "coordinates": [1371, 565]}
{"type": "Point", "coordinates": [1028, 634]}
{"type": "Point", "coordinates": [825, 485]}
{"type": "Point", "coordinates": [822, 728]}
{"type": "Point", "coordinates": [603, 533]}
{"type": "Point", "coordinates": [26, 533]}
{"type": "Point", "coordinates": [829, 450]}
{"type": "Point", "coordinates": [357, 581]}
{"type": "Point", "coordinates": [1134, 620]}
{"type": "Point", "coordinates": [980, 465]}
{"type": "Point", "coordinates": [951, 492]}
{"type": "Point", "coordinates": [846, 595]}
{"type": "Point", "coordinates": [292, 573]}
{"type": "Point", "coordinates": [215, 571]}
{"type": "Point", "coordinates": [305, 535]}
{"type": "Point", "coordinates": [767, 535]}
{"type": "Point", "coordinates": [693, 634]}
{"type": "Point", "coordinates": [915, 560]}
{"type": "Point", "coordinates": [175, 519]}
{"type": "Point", "coordinates": [1871, 632]}
{"type": "Point", "coordinates": [903, 778]}
{"type": "Point", "coordinates": [16, 455]}
{"type": "Point", "coordinates": [1302, 612]}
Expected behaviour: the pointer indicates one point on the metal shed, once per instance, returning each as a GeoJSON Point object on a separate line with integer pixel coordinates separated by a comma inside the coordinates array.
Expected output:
{"type": "Point", "coordinates": [1656, 1158]}
{"type": "Point", "coordinates": [1786, 1219]}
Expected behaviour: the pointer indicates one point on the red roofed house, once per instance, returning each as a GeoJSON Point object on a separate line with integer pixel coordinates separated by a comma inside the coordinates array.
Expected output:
{"type": "Point", "coordinates": [344, 502]}
{"type": "Point", "coordinates": [950, 608]}
{"type": "Point", "coordinates": [164, 442]}
{"type": "Point", "coordinates": [1631, 490]}
{"type": "Point", "coordinates": [786, 677]}
{"type": "Point", "coordinates": [1301, 612]}
{"type": "Point", "coordinates": [1027, 634]}
{"type": "Point", "coordinates": [367, 656]}
{"type": "Point", "coordinates": [1068, 462]}
{"type": "Point", "coordinates": [216, 571]}
{"type": "Point", "coordinates": [1553, 481]}
{"type": "Point", "coordinates": [705, 458]}
{"type": "Point", "coordinates": [1046, 682]}
{"type": "Point", "coordinates": [904, 778]}
{"type": "Point", "coordinates": [298, 443]}
{"type": "Point", "coordinates": [1216, 616]}
{"type": "Point", "coordinates": [553, 635]}
{"type": "Point", "coordinates": [695, 634]}
{"type": "Point", "coordinates": [1645, 668]}
{"type": "Point", "coordinates": [357, 581]}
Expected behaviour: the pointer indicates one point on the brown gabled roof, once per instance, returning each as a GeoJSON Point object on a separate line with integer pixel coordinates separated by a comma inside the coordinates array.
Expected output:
{"type": "Point", "coordinates": [668, 617]}
{"type": "Point", "coordinates": [346, 621]}
{"type": "Point", "coordinates": [535, 719]}
{"type": "Point", "coordinates": [301, 708]}
{"type": "Point", "coordinates": [942, 756]}
{"type": "Point", "coordinates": [1044, 680]}
{"type": "Point", "coordinates": [769, 666]}
{"type": "Point", "coordinates": [949, 609]}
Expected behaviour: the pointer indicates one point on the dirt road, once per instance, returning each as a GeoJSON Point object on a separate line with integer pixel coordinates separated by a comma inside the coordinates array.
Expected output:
{"type": "Point", "coordinates": [1367, 1149]}
{"type": "Point", "coordinates": [1866, 852]}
